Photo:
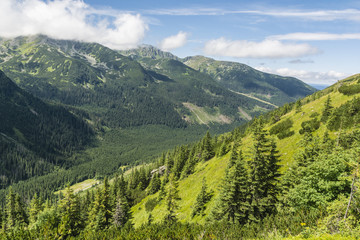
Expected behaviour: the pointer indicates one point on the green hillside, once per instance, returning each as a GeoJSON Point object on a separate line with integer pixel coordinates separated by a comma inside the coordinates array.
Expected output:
{"type": "Point", "coordinates": [244, 79]}
{"type": "Point", "coordinates": [292, 173]}
{"type": "Point", "coordinates": [305, 133]}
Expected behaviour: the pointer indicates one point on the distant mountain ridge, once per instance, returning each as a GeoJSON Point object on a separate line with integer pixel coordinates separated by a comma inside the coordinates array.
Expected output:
{"type": "Point", "coordinates": [235, 76]}
{"type": "Point", "coordinates": [149, 87]}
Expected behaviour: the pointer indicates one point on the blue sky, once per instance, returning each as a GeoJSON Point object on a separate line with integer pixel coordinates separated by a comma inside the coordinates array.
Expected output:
{"type": "Point", "coordinates": [315, 41]}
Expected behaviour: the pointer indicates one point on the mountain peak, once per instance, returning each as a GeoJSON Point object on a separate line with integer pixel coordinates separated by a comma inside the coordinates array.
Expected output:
{"type": "Point", "coordinates": [148, 51]}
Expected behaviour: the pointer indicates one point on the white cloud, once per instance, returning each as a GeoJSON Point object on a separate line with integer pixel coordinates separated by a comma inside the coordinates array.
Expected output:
{"type": "Point", "coordinates": [316, 36]}
{"type": "Point", "coordinates": [174, 41]}
{"type": "Point", "coordinates": [329, 77]}
{"type": "Point", "coordinates": [266, 49]}
{"type": "Point", "coordinates": [71, 19]}
{"type": "Point", "coordinates": [186, 11]}
{"type": "Point", "coordinates": [319, 15]}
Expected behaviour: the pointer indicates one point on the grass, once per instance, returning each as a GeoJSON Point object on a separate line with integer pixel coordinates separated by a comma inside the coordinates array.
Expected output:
{"type": "Point", "coordinates": [81, 186]}
{"type": "Point", "coordinates": [205, 116]}
{"type": "Point", "coordinates": [213, 172]}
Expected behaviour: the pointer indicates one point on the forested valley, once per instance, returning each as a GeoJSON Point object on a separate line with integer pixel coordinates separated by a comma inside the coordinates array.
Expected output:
{"type": "Point", "coordinates": [292, 173]}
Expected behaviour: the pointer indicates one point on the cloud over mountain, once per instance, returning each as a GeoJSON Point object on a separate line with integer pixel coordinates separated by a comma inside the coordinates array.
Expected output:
{"type": "Point", "coordinates": [174, 41]}
{"type": "Point", "coordinates": [265, 49]}
{"type": "Point", "coordinates": [71, 19]}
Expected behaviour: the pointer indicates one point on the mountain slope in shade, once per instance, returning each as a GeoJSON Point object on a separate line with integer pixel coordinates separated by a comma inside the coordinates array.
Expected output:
{"type": "Point", "coordinates": [34, 136]}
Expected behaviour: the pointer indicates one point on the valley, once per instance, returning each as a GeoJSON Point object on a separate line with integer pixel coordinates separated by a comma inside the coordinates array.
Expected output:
{"type": "Point", "coordinates": [239, 149]}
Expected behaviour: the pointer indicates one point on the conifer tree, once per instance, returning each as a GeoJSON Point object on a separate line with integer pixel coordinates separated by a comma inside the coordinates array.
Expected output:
{"type": "Point", "coordinates": [327, 110]}
{"type": "Point", "coordinates": [233, 201]}
{"type": "Point", "coordinates": [36, 207]}
{"type": "Point", "coordinates": [155, 184]}
{"type": "Point", "coordinates": [172, 198]}
{"type": "Point", "coordinates": [69, 208]}
{"type": "Point", "coordinates": [298, 106]}
{"type": "Point", "coordinates": [207, 147]}
{"type": "Point", "coordinates": [10, 210]}
{"type": "Point", "coordinates": [190, 163]}
{"type": "Point", "coordinates": [100, 215]}
{"type": "Point", "coordinates": [162, 192]}
{"type": "Point", "coordinates": [201, 200]}
{"type": "Point", "coordinates": [264, 173]}
{"type": "Point", "coordinates": [15, 211]}
{"type": "Point", "coordinates": [150, 219]}
{"type": "Point", "coordinates": [122, 212]}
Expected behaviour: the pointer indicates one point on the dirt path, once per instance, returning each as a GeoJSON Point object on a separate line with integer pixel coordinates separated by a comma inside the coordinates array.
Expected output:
{"type": "Point", "coordinates": [255, 98]}
{"type": "Point", "coordinates": [247, 116]}
{"type": "Point", "coordinates": [191, 108]}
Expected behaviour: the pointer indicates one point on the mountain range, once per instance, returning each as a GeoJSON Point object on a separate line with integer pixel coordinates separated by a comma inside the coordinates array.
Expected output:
{"type": "Point", "coordinates": [95, 93]}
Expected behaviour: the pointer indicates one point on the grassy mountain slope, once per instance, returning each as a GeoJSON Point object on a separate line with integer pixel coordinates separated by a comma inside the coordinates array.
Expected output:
{"type": "Point", "coordinates": [244, 79]}
{"type": "Point", "coordinates": [196, 91]}
{"type": "Point", "coordinates": [35, 136]}
{"type": "Point", "coordinates": [298, 122]}
{"type": "Point", "coordinates": [87, 75]}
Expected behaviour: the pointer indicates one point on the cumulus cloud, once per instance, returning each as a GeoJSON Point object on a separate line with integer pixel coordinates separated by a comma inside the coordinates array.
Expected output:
{"type": "Point", "coordinates": [174, 41]}
{"type": "Point", "coordinates": [266, 49]}
{"type": "Point", "coordinates": [311, 77]}
{"type": "Point", "coordinates": [71, 19]}
{"type": "Point", "coordinates": [316, 36]}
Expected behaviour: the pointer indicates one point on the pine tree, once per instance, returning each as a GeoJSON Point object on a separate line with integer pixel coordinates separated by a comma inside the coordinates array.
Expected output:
{"type": "Point", "coordinates": [233, 201]}
{"type": "Point", "coordinates": [36, 207]}
{"type": "Point", "coordinates": [172, 199]}
{"type": "Point", "coordinates": [10, 210]}
{"type": "Point", "coordinates": [207, 147]}
{"type": "Point", "coordinates": [70, 222]}
{"type": "Point", "coordinates": [155, 184]}
{"type": "Point", "coordinates": [15, 211]}
{"type": "Point", "coordinates": [150, 219]}
{"type": "Point", "coordinates": [264, 173]}
{"type": "Point", "coordinates": [122, 212]}
{"type": "Point", "coordinates": [190, 163]}
{"type": "Point", "coordinates": [298, 106]}
{"type": "Point", "coordinates": [162, 192]}
{"type": "Point", "coordinates": [201, 200]}
{"type": "Point", "coordinates": [327, 110]}
{"type": "Point", "coordinates": [100, 215]}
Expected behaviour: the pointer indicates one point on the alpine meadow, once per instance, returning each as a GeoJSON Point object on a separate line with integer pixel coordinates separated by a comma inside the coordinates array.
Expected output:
{"type": "Point", "coordinates": [188, 120]}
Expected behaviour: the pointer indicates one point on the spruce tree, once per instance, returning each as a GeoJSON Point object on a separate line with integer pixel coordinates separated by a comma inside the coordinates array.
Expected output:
{"type": "Point", "coordinates": [327, 110]}
{"type": "Point", "coordinates": [264, 174]}
{"type": "Point", "coordinates": [233, 200]}
{"type": "Point", "coordinates": [172, 198]}
{"type": "Point", "coordinates": [207, 147]}
{"type": "Point", "coordinates": [298, 106]}
{"type": "Point", "coordinates": [162, 192]}
{"type": "Point", "coordinates": [201, 200]}
{"type": "Point", "coordinates": [10, 210]}
{"type": "Point", "coordinates": [70, 222]}
{"type": "Point", "coordinates": [122, 212]}
{"type": "Point", "coordinates": [100, 215]}
{"type": "Point", "coordinates": [36, 207]}
{"type": "Point", "coordinates": [155, 184]}
{"type": "Point", "coordinates": [15, 211]}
